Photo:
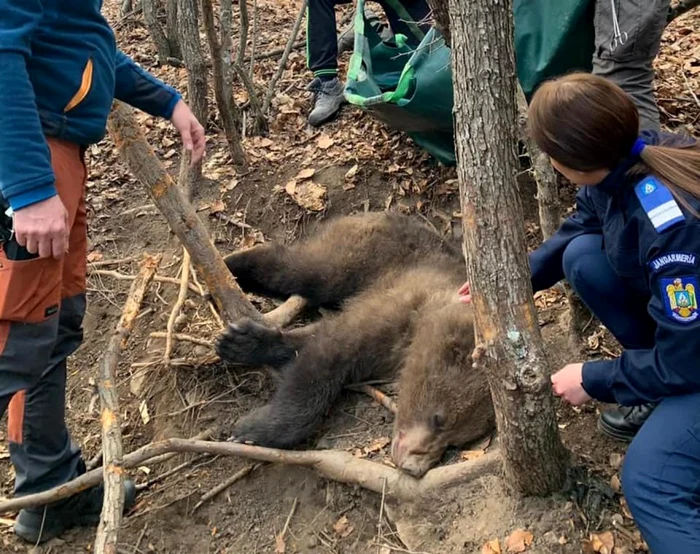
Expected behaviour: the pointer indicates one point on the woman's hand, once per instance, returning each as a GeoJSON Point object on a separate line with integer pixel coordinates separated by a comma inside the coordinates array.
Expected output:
{"type": "Point", "coordinates": [567, 384]}
{"type": "Point", "coordinates": [465, 294]}
{"type": "Point", "coordinates": [191, 131]}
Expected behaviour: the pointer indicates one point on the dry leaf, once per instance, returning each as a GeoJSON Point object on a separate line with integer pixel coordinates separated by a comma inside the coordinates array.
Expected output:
{"type": "Point", "coordinates": [603, 543]}
{"type": "Point", "coordinates": [305, 174]}
{"type": "Point", "coordinates": [518, 541]}
{"type": "Point", "coordinates": [94, 256]}
{"type": "Point", "coordinates": [382, 550]}
{"type": "Point", "coordinates": [342, 527]}
{"type": "Point", "coordinates": [325, 142]}
{"type": "Point", "coordinates": [308, 195]}
{"type": "Point", "coordinates": [491, 547]}
{"type": "Point", "coordinates": [378, 444]}
{"type": "Point", "coordinates": [615, 483]}
{"type": "Point", "coordinates": [472, 454]}
{"type": "Point", "coordinates": [217, 206]}
{"type": "Point", "coordinates": [352, 172]}
{"type": "Point", "coordinates": [280, 545]}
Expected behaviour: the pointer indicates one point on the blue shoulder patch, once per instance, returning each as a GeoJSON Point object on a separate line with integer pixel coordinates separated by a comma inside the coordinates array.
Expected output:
{"type": "Point", "coordinates": [658, 203]}
{"type": "Point", "coordinates": [673, 258]}
{"type": "Point", "coordinates": [680, 298]}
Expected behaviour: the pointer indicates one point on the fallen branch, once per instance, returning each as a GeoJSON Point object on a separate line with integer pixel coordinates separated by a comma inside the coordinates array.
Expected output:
{"type": "Point", "coordinates": [337, 465]}
{"type": "Point", "coordinates": [285, 57]}
{"type": "Point", "coordinates": [170, 329]}
{"type": "Point", "coordinates": [260, 127]}
{"type": "Point", "coordinates": [158, 478]}
{"type": "Point", "coordinates": [180, 215]}
{"type": "Point", "coordinates": [226, 484]}
{"type": "Point", "coordinates": [113, 471]}
{"type": "Point", "coordinates": [279, 51]}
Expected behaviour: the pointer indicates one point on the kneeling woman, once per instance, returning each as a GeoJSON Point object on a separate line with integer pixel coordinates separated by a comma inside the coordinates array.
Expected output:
{"type": "Point", "coordinates": [632, 253]}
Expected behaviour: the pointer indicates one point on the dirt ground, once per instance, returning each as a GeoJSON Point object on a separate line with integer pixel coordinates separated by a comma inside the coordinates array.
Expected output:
{"type": "Point", "coordinates": [363, 165]}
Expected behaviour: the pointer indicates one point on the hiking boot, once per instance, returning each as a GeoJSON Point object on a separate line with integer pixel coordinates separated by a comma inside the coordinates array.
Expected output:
{"type": "Point", "coordinates": [38, 525]}
{"type": "Point", "coordinates": [624, 422]}
{"type": "Point", "coordinates": [328, 97]}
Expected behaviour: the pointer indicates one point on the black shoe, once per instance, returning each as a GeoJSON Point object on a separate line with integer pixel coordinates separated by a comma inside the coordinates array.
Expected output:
{"type": "Point", "coordinates": [38, 525]}
{"type": "Point", "coordinates": [624, 422]}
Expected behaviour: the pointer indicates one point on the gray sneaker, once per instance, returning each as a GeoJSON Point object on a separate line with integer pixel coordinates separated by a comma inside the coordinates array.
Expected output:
{"type": "Point", "coordinates": [328, 97]}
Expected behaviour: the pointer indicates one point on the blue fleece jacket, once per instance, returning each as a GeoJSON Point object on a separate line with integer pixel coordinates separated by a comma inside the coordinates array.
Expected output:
{"type": "Point", "coordinates": [60, 71]}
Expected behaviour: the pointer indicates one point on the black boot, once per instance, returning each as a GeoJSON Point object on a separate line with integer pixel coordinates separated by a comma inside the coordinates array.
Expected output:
{"type": "Point", "coordinates": [624, 422]}
{"type": "Point", "coordinates": [38, 525]}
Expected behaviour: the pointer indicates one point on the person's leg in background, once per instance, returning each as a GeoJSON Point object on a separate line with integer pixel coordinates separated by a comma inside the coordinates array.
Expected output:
{"type": "Point", "coordinates": [661, 477]}
{"type": "Point", "coordinates": [627, 40]}
{"type": "Point", "coordinates": [40, 446]}
{"type": "Point", "coordinates": [322, 60]}
{"type": "Point", "coordinates": [589, 273]}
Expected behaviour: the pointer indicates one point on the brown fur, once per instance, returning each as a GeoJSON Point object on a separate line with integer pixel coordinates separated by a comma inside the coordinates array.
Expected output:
{"type": "Point", "coordinates": [396, 283]}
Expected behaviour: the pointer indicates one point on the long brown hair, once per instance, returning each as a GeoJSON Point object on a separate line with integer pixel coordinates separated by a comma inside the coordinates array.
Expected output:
{"type": "Point", "coordinates": [587, 123]}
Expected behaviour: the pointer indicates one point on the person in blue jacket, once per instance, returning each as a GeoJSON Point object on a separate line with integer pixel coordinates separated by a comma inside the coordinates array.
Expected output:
{"type": "Point", "coordinates": [60, 71]}
{"type": "Point", "coordinates": [631, 251]}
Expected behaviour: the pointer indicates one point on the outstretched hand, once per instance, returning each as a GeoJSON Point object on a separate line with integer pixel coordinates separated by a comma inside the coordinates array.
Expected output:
{"type": "Point", "coordinates": [191, 131]}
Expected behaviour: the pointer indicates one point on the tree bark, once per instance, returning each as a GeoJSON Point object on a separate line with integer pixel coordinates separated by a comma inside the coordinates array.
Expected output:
{"type": "Point", "coordinates": [441, 16]}
{"type": "Point", "coordinates": [126, 7]}
{"type": "Point", "coordinates": [171, 29]}
{"type": "Point", "coordinates": [509, 344]}
{"type": "Point", "coordinates": [180, 215]}
{"type": "Point", "coordinates": [197, 82]}
{"type": "Point", "coordinates": [223, 87]}
{"type": "Point", "coordinates": [113, 471]}
{"type": "Point", "coordinates": [150, 16]}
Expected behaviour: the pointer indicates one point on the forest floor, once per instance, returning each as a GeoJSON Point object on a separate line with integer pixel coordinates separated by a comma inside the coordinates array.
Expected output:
{"type": "Point", "coordinates": [362, 165]}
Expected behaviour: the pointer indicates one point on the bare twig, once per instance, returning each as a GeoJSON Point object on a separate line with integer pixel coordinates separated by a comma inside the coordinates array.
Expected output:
{"type": "Point", "coordinates": [285, 57]}
{"type": "Point", "coordinates": [279, 51]}
{"type": "Point", "coordinates": [182, 337]}
{"type": "Point", "coordinates": [254, 40]}
{"type": "Point", "coordinates": [124, 277]}
{"type": "Point", "coordinates": [158, 478]}
{"type": "Point", "coordinates": [243, 32]}
{"type": "Point", "coordinates": [283, 533]}
{"type": "Point", "coordinates": [105, 263]}
{"type": "Point", "coordinates": [113, 471]}
{"type": "Point", "coordinates": [338, 465]}
{"type": "Point", "coordinates": [184, 283]}
{"type": "Point", "coordinates": [260, 127]}
{"type": "Point", "coordinates": [226, 484]}
{"type": "Point", "coordinates": [379, 396]}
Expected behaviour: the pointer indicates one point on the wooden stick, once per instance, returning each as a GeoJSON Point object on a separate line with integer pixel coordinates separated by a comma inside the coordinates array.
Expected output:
{"type": "Point", "coordinates": [337, 465]}
{"type": "Point", "coordinates": [182, 337]}
{"type": "Point", "coordinates": [226, 484]}
{"type": "Point", "coordinates": [113, 471]}
{"type": "Point", "coordinates": [283, 62]}
{"type": "Point", "coordinates": [179, 213]}
{"type": "Point", "coordinates": [285, 313]}
{"type": "Point", "coordinates": [184, 283]}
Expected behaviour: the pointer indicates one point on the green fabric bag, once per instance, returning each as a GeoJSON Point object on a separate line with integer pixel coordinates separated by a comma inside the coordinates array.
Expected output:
{"type": "Point", "coordinates": [408, 85]}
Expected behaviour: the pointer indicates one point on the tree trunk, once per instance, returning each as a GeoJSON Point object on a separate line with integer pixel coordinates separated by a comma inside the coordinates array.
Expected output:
{"type": "Point", "coordinates": [509, 344]}
{"type": "Point", "coordinates": [197, 85]}
{"type": "Point", "coordinates": [223, 88]}
{"type": "Point", "coordinates": [441, 16]}
{"type": "Point", "coordinates": [126, 7]}
{"type": "Point", "coordinates": [180, 215]}
{"type": "Point", "coordinates": [243, 38]}
{"type": "Point", "coordinates": [150, 16]}
{"type": "Point", "coordinates": [171, 29]}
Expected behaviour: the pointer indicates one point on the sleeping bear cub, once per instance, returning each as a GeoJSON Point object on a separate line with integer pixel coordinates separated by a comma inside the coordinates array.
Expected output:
{"type": "Point", "coordinates": [393, 283]}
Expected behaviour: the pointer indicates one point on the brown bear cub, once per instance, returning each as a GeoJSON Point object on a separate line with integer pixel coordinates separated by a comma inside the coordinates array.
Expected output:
{"type": "Point", "coordinates": [393, 282]}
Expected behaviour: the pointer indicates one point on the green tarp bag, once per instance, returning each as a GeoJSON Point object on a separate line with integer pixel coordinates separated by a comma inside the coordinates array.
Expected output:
{"type": "Point", "coordinates": [408, 83]}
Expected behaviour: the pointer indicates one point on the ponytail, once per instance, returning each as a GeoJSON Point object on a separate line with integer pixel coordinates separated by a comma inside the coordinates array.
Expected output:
{"type": "Point", "coordinates": [678, 167]}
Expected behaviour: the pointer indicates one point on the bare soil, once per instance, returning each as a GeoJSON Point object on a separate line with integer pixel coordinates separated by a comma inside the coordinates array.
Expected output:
{"type": "Point", "coordinates": [195, 393]}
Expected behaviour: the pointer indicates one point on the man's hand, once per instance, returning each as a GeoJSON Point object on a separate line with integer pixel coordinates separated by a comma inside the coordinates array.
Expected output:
{"type": "Point", "coordinates": [465, 294]}
{"type": "Point", "coordinates": [567, 383]}
{"type": "Point", "coordinates": [191, 131]}
{"type": "Point", "coordinates": [43, 228]}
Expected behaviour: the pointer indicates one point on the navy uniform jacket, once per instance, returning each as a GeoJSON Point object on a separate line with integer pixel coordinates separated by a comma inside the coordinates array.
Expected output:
{"type": "Point", "coordinates": [653, 243]}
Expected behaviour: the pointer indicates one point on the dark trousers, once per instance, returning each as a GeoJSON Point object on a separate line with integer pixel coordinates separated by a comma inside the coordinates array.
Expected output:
{"type": "Point", "coordinates": [42, 303]}
{"type": "Point", "coordinates": [322, 38]}
{"type": "Point", "coordinates": [661, 472]}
